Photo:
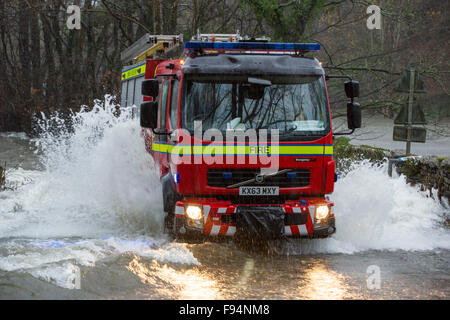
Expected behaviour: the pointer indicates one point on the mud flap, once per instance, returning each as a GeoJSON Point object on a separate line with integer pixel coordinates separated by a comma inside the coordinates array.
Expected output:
{"type": "Point", "coordinates": [263, 223]}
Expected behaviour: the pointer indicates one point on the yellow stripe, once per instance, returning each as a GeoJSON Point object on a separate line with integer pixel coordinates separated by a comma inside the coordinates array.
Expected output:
{"type": "Point", "coordinates": [329, 150]}
{"type": "Point", "coordinates": [243, 150]}
{"type": "Point", "coordinates": [136, 71]}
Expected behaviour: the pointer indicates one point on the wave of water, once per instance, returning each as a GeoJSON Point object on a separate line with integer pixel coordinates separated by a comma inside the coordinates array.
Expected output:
{"type": "Point", "coordinates": [376, 212]}
{"type": "Point", "coordinates": [98, 196]}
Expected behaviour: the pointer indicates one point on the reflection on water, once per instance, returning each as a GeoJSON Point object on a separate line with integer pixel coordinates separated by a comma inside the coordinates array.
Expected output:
{"type": "Point", "coordinates": [247, 271]}
{"type": "Point", "coordinates": [322, 283]}
{"type": "Point", "coordinates": [183, 284]}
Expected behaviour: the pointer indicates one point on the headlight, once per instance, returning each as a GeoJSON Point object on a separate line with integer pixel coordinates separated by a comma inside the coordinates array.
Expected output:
{"type": "Point", "coordinates": [194, 212]}
{"type": "Point", "coordinates": [322, 212]}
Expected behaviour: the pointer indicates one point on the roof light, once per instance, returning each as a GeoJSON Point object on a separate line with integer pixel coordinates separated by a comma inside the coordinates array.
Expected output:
{"type": "Point", "coordinates": [252, 46]}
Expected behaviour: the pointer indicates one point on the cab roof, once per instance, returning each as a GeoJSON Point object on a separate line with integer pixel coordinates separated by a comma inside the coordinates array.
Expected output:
{"type": "Point", "coordinates": [252, 64]}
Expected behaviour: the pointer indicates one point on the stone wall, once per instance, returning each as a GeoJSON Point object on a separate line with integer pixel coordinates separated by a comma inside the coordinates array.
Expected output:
{"type": "Point", "coordinates": [346, 153]}
{"type": "Point", "coordinates": [430, 172]}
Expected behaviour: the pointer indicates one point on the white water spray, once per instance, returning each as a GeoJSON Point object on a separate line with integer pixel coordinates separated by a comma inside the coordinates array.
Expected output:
{"type": "Point", "coordinates": [376, 212]}
{"type": "Point", "coordinates": [98, 186]}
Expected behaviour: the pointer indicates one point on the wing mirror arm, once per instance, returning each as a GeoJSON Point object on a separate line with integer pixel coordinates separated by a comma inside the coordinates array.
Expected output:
{"type": "Point", "coordinates": [344, 133]}
{"type": "Point", "coordinates": [353, 108]}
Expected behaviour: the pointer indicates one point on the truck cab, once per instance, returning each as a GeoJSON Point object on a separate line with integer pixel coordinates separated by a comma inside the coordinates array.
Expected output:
{"type": "Point", "coordinates": [240, 132]}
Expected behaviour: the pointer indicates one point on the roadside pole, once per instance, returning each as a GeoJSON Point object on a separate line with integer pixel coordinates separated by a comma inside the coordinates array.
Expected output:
{"type": "Point", "coordinates": [410, 114]}
{"type": "Point", "coordinates": [410, 110]}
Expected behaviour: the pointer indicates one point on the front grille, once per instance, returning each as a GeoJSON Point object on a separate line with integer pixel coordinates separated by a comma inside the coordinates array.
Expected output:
{"type": "Point", "coordinates": [221, 178]}
{"type": "Point", "coordinates": [290, 219]}
{"type": "Point", "coordinates": [258, 199]}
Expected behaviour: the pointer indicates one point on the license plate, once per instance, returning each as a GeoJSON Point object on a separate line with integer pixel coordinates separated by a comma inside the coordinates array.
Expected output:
{"type": "Point", "coordinates": [259, 191]}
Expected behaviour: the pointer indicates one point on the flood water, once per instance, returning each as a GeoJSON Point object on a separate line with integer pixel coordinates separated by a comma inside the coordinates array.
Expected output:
{"type": "Point", "coordinates": [82, 219]}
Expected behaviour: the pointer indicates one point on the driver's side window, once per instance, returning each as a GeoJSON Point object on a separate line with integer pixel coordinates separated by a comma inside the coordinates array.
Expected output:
{"type": "Point", "coordinates": [163, 107]}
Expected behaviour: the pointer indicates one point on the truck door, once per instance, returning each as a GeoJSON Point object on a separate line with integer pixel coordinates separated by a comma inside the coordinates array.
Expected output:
{"type": "Point", "coordinates": [173, 111]}
{"type": "Point", "coordinates": [161, 139]}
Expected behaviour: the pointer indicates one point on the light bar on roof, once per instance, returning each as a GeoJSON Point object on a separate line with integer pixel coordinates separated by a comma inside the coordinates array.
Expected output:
{"type": "Point", "coordinates": [252, 46]}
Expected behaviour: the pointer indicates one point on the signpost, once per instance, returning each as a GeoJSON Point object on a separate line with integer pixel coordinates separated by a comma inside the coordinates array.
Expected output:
{"type": "Point", "coordinates": [411, 113]}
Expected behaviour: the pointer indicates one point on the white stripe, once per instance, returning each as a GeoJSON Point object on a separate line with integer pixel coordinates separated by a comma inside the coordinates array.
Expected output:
{"type": "Point", "coordinates": [287, 230]}
{"type": "Point", "coordinates": [179, 210]}
{"type": "Point", "coordinates": [312, 211]}
{"type": "Point", "coordinates": [215, 230]}
{"type": "Point", "coordinates": [231, 231]}
{"type": "Point", "coordinates": [206, 210]}
{"type": "Point", "coordinates": [222, 210]}
{"type": "Point", "coordinates": [303, 230]}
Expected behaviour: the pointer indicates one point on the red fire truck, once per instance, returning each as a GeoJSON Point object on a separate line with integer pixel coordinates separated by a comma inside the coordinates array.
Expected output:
{"type": "Point", "coordinates": [240, 132]}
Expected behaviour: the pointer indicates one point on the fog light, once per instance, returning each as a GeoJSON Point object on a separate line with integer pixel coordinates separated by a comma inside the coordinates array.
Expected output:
{"type": "Point", "coordinates": [322, 212]}
{"type": "Point", "coordinates": [194, 212]}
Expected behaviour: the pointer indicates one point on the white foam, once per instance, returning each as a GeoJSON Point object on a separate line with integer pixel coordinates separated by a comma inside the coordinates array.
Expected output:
{"type": "Point", "coordinates": [58, 261]}
{"type": "Point", "coordinates": [376, 212]}
{"type": "Point", "coordinates": [98, 180]}
{"type": "Point", "coordinates": [98, 185]}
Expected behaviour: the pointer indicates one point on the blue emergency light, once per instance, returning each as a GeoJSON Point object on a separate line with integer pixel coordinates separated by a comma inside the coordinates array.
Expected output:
{"type": "Point", "coordinates": [227, 175]}
{"type": "Point", "coordinates": [252, 46]}
{"type": "Point", "coordinates": [292, 175]}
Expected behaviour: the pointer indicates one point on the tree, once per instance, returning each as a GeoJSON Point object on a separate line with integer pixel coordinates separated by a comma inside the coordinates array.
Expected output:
{"type": "Point", "coordinates": [287, 19]}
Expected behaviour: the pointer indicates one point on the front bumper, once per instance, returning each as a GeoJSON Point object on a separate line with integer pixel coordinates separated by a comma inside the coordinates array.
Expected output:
{"type": "Point", "coordinates": [219, 218]}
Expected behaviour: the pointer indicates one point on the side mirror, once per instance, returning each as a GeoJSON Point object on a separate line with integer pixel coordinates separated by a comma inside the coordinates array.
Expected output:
{"type": "Point", "coordinates": [149, 114]}
{"type": "Point", "coordinates": [150, 88]}
{"type": "Point", "coordinates": [352, 89]}
{"type": "Point", "coordinates": [354, 115]}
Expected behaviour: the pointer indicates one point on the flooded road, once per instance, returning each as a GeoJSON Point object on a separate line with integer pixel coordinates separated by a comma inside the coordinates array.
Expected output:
{"type": "Point", "coordinates": [82, 219]}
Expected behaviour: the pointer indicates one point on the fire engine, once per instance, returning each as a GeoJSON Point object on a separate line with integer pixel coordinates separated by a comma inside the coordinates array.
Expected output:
{"type": "Point", "coordinates": [240, 132]}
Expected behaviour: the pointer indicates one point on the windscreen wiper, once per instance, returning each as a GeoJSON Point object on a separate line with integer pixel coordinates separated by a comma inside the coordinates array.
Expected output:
{"type": "Point", "coordinates": [259, 178]}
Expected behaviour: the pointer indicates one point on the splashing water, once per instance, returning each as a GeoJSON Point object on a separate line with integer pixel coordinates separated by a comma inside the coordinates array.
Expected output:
{"type": "Point", "coordinates": [98, 185]}
{"type": "Point", "coordinates": [376, 212]}
{"type": "Point", "coordinates": [96, 180]}
{"type": "Point", "coordinates": [99, 196]}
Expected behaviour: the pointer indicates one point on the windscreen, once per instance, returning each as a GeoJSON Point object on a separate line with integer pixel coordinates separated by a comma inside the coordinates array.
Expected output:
{"type": "Point", "coordinates": [293, 106]}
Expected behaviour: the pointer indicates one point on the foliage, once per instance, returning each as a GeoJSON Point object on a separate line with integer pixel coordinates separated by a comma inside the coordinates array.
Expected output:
{"type": "Point", "coordinates": [345, 154]}
{"type": "Point", "coordinates": [286, 19]}
{"type": "Point", "coordinates": [46, 67]}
